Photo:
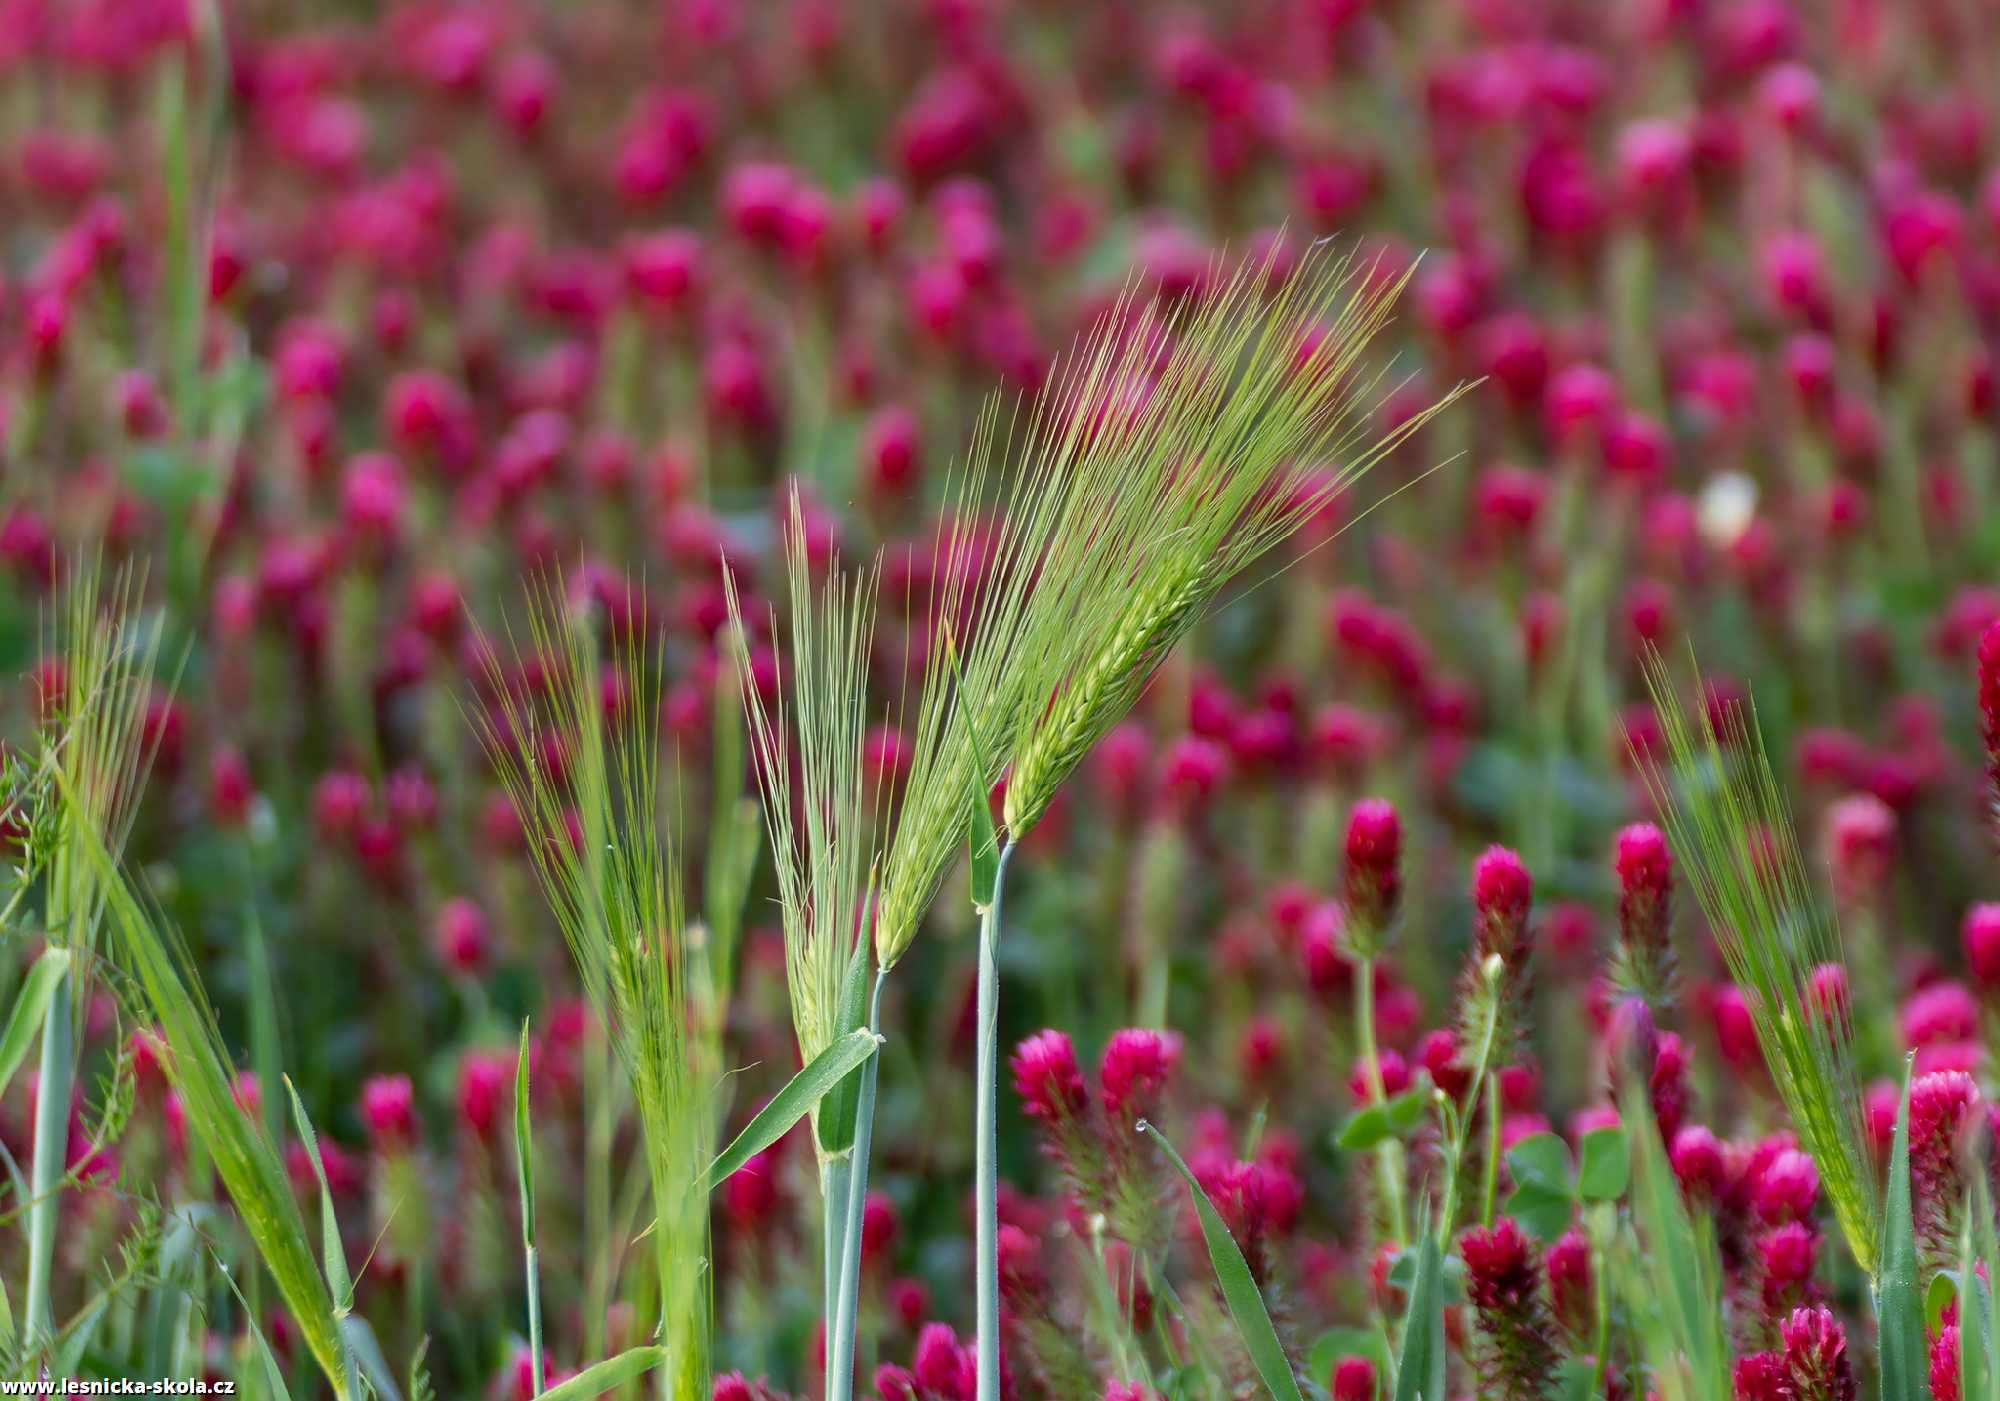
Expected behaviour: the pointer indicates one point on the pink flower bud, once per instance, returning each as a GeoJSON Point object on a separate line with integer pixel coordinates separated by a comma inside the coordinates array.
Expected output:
{"type": "Point", "coordinates": [1047, 1079]}
{"type": "Point", "coordinates": [1374, 853]}
{"type": "Point", "coordinates": [388, 1110]}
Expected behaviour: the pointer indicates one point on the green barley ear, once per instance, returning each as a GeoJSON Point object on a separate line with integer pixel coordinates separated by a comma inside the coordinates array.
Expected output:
{"type": "Point", "coordinates": [824, 820]}
{"type": "Point", "coordinates": [1176, 446]}
{"type": "Point", "coordinates": [1728, 819]}
{"type": "Point", "coordinates": [109, 658]}
{"type": "Point", "coordinates": [612, 875]}
{"type": "Point", "coordinates": [1183, 444]}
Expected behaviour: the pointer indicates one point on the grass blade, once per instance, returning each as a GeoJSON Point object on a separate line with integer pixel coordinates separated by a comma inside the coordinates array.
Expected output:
{"type": "Point", "coordinates": [1420, 1361]}
{"type": "Point", "coordinates": [1678, 1271]}
{"type": "Point", "coordinates": [338, 1281]}
{"type": "Point", "coordinates": [1899, 1301]}
{"type": "Point", "coordinates": [1730, 825]}
{"type": "Point", "coordinates": [524, 1174]}
{"type": "Point", "coordinates": [611, 1373]}
{"type": "Point", "coordinates": [31, 1006]}
{"type": "Point", "coordinates": [240, 1150]}
{"type": "Point", "coordinates": [335, 1257]}
{"type": "Point", "coordinates": [792, 1103]}
{"type": "Point", "coordinates": [1239, 1288]}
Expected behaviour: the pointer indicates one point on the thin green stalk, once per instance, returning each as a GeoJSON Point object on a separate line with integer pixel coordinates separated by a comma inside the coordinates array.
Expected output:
{"type": "Point", "coordinates": [1461, 1129]}
{"type": "Point", "coordinates": [1389, 1153]}
{"type": "Point", "coordinates": [524, 1174]}
{"type": "Point", "coordinates": [50, 1155]}
{"type": "Point", "coordinates": [840, 1366]}
{"type": "Point", "coordinates": [834, 1177]}
{"type": "Point", "coordinates": [986, 1206]}
{"type": "Point", "coordinates": [1492, 1192]}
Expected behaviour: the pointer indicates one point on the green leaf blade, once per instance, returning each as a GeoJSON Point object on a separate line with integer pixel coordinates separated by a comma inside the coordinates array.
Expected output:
{"type": "Point", "coordinates": [1239, 1287]}
{"type": "Point", "coordinates": [813, 1083]}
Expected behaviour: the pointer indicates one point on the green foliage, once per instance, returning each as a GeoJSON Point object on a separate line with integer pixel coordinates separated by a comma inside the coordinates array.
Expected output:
{"type": "Point", "coordinates": [1421, 1357]}
{"type": "Point", "coordinates": [198, 1067]}
{"type": "Point", "coordinates": [1899, 1299]}
{"type": "Point", "coordinates": [1378, 1123]}
{"type": "Point", "coordinates": [825, 823]}
{"type": "Point", "coordinates": [615, 886]}
{"type": "Point", "coordinates": [790, 1104]}
{"type": "Point", "coordinates": [1669, 1278]}
{"type": "Point", "coordinates": [1238, 1286]}
{"type": "Point", "coordinates": [1731, 829]}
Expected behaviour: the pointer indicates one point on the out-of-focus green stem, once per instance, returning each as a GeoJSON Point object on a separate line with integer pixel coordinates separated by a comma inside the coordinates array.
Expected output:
{"type": "Point", "coordinates": [986, 1167]}
{"type": "Point", "coordinates": [1490, 1196]}
{"type": "Point", "coordinates": [840, 1347]}
{"type": "Point", "coordinates": [51, 1152]}
{"type": "Point", "coordinates": [1389, 1153]}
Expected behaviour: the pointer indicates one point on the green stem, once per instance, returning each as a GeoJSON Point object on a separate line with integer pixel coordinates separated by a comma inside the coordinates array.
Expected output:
{"type": "Point", "coordinates": [1492, 1192]}
{"type": "Point", "coordinates": [534, 1271]}
{"type": "Point", "coordinates": [986, 1207]}
{"type": "Point", "coordinates": [834, 1177]}
{"type": "Point", "coordinates": [1462, 1129]}
{"type": "Point", "coordinates": [840, 1348]}
{"type": "Point", "coordinates": [50, 1157]}
{"type": "Point", "coordinates": [1389, 1154]}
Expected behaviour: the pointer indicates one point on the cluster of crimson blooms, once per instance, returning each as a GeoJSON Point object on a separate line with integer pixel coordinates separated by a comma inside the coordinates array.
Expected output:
{"type": "Point", "coordinates": [479, 289]}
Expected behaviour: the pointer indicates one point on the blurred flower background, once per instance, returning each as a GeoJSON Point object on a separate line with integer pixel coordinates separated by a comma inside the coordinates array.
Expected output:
{"type": "Point", "coordinates": [346, 321]}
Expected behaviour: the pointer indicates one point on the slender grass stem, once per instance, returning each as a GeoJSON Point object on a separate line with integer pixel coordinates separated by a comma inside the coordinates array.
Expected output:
{"type": "Point", "coordinates": [834, 1177]}
{"type": "Point", "coordinates": [50, 1157]}
{"type": "Point", "coordinates": [840, 1348]}
{"type": "Point", "coordinates": [986, 1205]}
{"type": "Point", "coordinates": [534, 1271]}
{"type": "Point", "coordinates": [1389, 1154]}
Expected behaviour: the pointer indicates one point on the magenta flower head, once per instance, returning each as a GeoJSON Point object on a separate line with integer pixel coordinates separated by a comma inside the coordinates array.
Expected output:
{"type": "Point", "coordinates": [1944, 1364]}
{"type": "Point", "coordinates": [1942, 1106]}
{"type": "Point", "coordinates": [1374, 876]}
{"type": "Point", "coordinates": [1860, 846]}
{"type": "Point", "coordinates": [1980, 935]}
{"type": "Point", "coordinates": [1762, 1376]}
{"type": "Point", "coordinates": [1516, 1357]}
{"type": "Point", "coordinates": [388, 1109]}
{"type": "Point", "coordinates": [1491, 990]}
{"type": "Point", "coordinates": [1570, 1283]}
{"type": "Point", "coordinates": [1137, 1064]}
{"type": "Point", "coordinates": [1645, 874]}
{"type": "Point", "coordinates": [1989, 700]}
{"type": "Point", "coordinates": [1816, 1355]}
{"type": "Point", "coordinates": [1502, 890]}
{"type": "Point", "coordinates": [1787, 1255]}
{"type": "Point", "coordinates": [1046, 1078]}
{"type": "Point", "coordinates": [1354, 1380]}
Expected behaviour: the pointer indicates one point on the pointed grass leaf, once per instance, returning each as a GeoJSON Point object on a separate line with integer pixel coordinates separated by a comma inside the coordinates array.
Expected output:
{"type": "Point", "coordinates": [1677, 1274]}
{"type": "Point", "coordinates": [199, 1071]}
{"type": "Point", "coordinates": [1607, 1165]}
{"type": "Point", "coordinates": [1899, 1309]}
{"type": "Point", "coordinates": [1239, 1287]}
{"type": "Point", "coordinates": [835, 1120]}
{"type": "Point", "coordinates": [1939, 1295]}
{"type": "Point", "coordinates": [362, 1344]}
{"type": "Point", "coordinates": [524, 1141]}
{"type": "Point", "coordinates": [804, 1090]}
{"type": "Point", "coordinates": [605, 1376]}
{"type": "Point", "coordinates": [337, 1278]}
{"type": "Point", "coordinates": [1979, 1380]}
{"type": "Point", "coordinates": [1420, 1361]}
{"type": "Point", "coordinates": [1395, 1118]}
{"type": "Point", "coordinates": [31, 1005]}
